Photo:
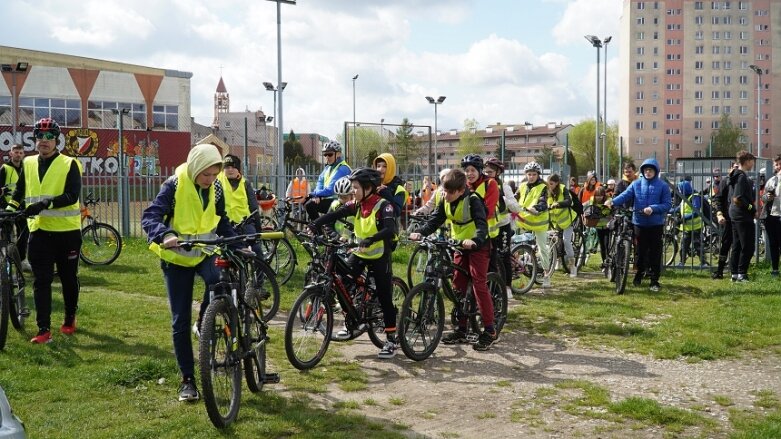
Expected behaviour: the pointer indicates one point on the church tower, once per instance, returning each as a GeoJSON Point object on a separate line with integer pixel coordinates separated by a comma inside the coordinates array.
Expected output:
{"type": "Point", "coordinates": [221, 103]}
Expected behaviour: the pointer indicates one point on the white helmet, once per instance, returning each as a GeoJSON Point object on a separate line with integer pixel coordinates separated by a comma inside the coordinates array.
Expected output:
{"type": "Point", "coordinates": [611, 181]}
{"type": "Point", "coordinates": [343, 186]}
{"type": "Point", "coordinates": [532, 167]}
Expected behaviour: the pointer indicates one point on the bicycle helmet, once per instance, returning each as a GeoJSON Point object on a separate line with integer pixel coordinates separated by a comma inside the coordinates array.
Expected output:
{"type": "Point", "coordinates": [343, 186]}
{"type": "Point", "coordinates": [472, 160]}
{"type": "Point", "coordinates": [532, 167]}
{"type": "Point", "coordinates": [496, 163]}
{"type": "Point", "coordinates": [611, 181]}
{"type": "Point", "coordinates": [46, 125]}
{"type": "Point", "coordinates": [332, 146]}
{"type": "Point", "coordinates": [366, 175]}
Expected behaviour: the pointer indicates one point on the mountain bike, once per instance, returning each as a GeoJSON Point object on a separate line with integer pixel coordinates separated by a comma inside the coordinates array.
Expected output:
{"type": "Point", "coordinates": [232, 329]}
{"type": "Point", "coordinates": [279, 254]}
{"type": "Point", "coordinates": [13, 304]}
{"type": "Point", "coordinates": [524, 262]}
{"type": "Point", "coordinates": [257, 267]}
{"type": "Point", "coordinates": [416, 266]}
{"type": "Point", "coordinates": [310, 324]}
{"type": "Point", "coordinates": [422, 317]}
{"type": "Point", "coordinates": [619, 254]}
{"type": "Point", "coordinates": [101, 243]}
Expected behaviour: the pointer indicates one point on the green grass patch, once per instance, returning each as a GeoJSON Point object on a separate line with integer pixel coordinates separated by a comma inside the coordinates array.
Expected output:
{"type": "Point", "coordinates": [650, 412]}
{"type": "Point", "coordinates": [723, 400]}
{"type": "Point", "coordinates": [751, 425]}
{"type": "Point", "coordinates": [397, 401]}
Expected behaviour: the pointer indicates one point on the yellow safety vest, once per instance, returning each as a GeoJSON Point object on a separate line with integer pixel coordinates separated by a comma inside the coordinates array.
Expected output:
{"type": "Point", "coordinates": [190, 221]}
{"type": "Point", "coordinates": [561, 218]}
{"type": "Point", "coordinates": [11, 177]}
{"type": "Point", "coordinates": [462, 224]}
{"type": "Point", "coordinates": [528, 198]}
{"type": "Point", "coordinates": [366, 228]}
{"type": "Point", "coordinates": [61, 219]}
{"type": "Point", "coordinates": [502, 212]}
{"type": "Point", "coordinates": [690, 224]}
{"type": "Point", "coordinates": [493, 223]}
{"type": "Point", "coordinates": [339, 226]}
{"type": "Point", "coordinates": [236, 201]}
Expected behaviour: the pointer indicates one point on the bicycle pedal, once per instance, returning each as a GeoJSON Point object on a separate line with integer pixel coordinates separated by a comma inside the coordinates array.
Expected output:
{"type": "Point", "coordinates": [271, 378]}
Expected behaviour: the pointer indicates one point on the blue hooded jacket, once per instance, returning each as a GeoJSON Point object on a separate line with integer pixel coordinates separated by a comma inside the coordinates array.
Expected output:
{"type": "Point", "coordinates": [653, 193]}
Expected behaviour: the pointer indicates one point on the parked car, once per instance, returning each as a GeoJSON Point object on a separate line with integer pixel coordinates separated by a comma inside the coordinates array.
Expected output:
{"type": "Point", "coordinates": [11, 427]}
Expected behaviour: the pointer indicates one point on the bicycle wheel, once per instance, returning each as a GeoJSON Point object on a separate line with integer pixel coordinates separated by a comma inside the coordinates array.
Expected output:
{"type": "Point", "coordinates": [5, 303]}
{"type": "Point", "coordinates": [421, 321]}
{"type": "Point", "coordinates": [17, 306]}
{"type": "Point", "coordinates": [579, 248]}
{"type": "Point", "coordinates": [622, 265]}
{"type": "Point", "coordinates": [524, 268]}
{"type": "Point", "coordinates": [264, 281]}
{"type": "Point", "coordinates": [308, 329]}
{"type": "Point", "coordinates": [100, 244]}
{"type": "Point", "coordinates": [669, 248]}
{"type": "Point", "coordinates": [255, 334]}
{"type": "Point", "coordinates": [562, 256]}
{"type": "Point", "coordinates": [377, 322]}
{"type": "Point", "coordinates": [552, 258]}
{"type": "Point", "coordinates": [281, 257]}
{"type": "Point", "coordinates": [416, 267]}
{"type": "Point", "coordinates": [499, 299]}
{"type": "Point", "coordinates": [219, 364]}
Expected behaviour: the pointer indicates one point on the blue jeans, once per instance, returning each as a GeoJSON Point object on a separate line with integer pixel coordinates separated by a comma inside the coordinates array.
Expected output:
{"type": "Point", "coordinates": [179, 281]}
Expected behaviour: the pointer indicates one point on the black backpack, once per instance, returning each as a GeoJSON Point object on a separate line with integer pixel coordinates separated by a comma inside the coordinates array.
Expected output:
{"type": "Point", "coordinates": [577, 206]}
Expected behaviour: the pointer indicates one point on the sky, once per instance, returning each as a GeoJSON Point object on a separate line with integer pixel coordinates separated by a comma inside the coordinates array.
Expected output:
{"type": "Point", "coordinates": [508, 61]}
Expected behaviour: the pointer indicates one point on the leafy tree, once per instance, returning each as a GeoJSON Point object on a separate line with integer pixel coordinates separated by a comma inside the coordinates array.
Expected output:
{"type": "Point", "coordinates": [469, 142]}
{"type": "Point", "coordinates": [581, 140]}
{"type": "Point", "coordinates": [367, 142]}
{"type": "Point", "coordinates": [728, 139]}
{"type": "Point", "coordinates": [546, 157]}
{"type": "Point", "coordinates": [294, 153]}
{"type": "Point", "coordinates": [407, 150]}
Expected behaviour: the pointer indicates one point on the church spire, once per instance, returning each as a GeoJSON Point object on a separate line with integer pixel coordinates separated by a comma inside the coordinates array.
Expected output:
{"type": "Point", "coordinates": [221, 102]}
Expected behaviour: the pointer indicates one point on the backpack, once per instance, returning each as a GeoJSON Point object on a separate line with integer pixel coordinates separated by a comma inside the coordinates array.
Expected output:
{"type": "Point", "coordinates": [577, 206]}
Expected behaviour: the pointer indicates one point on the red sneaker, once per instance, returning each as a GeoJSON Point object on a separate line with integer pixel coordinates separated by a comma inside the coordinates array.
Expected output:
{"type": "Point", "coordinates": [44, 336]}
{"type": "Point", "coordinates": [69, 326]}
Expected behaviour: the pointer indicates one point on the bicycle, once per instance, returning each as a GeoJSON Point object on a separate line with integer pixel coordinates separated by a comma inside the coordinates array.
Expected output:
{"type": "Point", "coordinates": [422, 317]}
{"type": "Point", "coordinates": [619, 252]}
{"type": "Point", "coordinates": [523, 259]}
{"type": "Point", "coordinates": [309, 327]}
{"type": "Point", "coordinates": [416, 266]}
{"type": "Point", "coordinates": [258, 271]}
{"type": "Point", "coordinates": [13, 304]}
{"type": "Point", "coordinates": [101, 242]}
{"type": "Point", "coordinates": [232, 330]}
{"type": "Point", "coordinates": [279, 254]}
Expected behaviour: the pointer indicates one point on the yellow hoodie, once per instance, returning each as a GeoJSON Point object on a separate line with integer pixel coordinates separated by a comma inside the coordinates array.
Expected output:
{"type": "Point", "coordinates": [390, 162]}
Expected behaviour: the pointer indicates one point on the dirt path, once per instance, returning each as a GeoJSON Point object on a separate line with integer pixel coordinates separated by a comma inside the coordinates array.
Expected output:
{"type": "Point", "coordinates": [509, 390]}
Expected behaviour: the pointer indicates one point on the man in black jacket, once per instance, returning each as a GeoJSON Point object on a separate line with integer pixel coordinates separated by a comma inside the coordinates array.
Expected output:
{"type": "Point", "coordinates": [742, 210]}
{"type": "Point", "coordinates": [720, 205]}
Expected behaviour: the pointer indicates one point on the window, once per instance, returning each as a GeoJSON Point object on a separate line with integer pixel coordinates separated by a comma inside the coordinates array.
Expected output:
{"type": "Point", "coordinates": [698, 65]}
{"type": "Point", "coordinates": [727, 50]}
{"type": "Point", "coordinates": [715, 80]}
{"type": "Point", "coordinates": [99, 115]}
{"type": "Point", "coordinates": [639, 95]}
{"type": "Point", "coordinates": [673, 27]}
{"type": "Point", "coordinates": [714, 94]}
{"type": "Point", "coordinates": [743, 35]}
{"type": "Point", "coordinates": [743, 6]}
{"type": "Point", "coordinates": [656, 35]}
{"type": "Point", "coordinates": [697, 139]}
{"type": "Point", "coordinates": [714, 19]}
{"type": "Point", "coordinates": [716, 49]}
{"type": "Point", "coordinates": [673, 56]}
{"type": "Point", "coordinates": [716, 65]}
{"type": "Point", "coordinates": [699, 50]}
{"type": "Point", "coordinates": [698, 109]}
{"type": "Point", "coordinates": [698, 35]}
{"type": "Point", "coordinates": [698, 80]}
{"type": "Point", "coordinates": [698, 20]}
{"type": "Point", "coordinates": [656, 51]}
{"type": "Point", "coordinates": [727, 109]}
{"type": "Point", "coordinates": [716, 35]}
{"type": "Point", "coordinates": [641, 35]}
{"type": "Point", "coordinates": [715, 5]}
{"type": "Point", "coordinates": [760, 27]}
{"type": "Point", "coordinates": [727, 35]}
{"type": "Point", "coordinates": [698, 94]}
{"type": "Point", "coordinates": [698, 6]}
{"type": "Point", "coordinates": [727, 19]}
{"type": "Point", "coordinates": [638, 110]}
{"type": "Point", "coordinates": [656, 65]}
{"type": "Point", "coordinates": [714, 109]}
{"type": "Point", "coordinates": [743, 124]}
{"type": "Point", "coordinates": [640, 66]}
{"type": "Point", "coordinates": [673, 86]}
{"type": "Point", "coordinates": [655, 96]}
{"type": "Point", "coordinates": [762, 43]}
{"type": "Point", "coordinates": [743, 20]}
{"type": "Point", "coordinates": [714, 124]}
{"type": "Point", "coordinates": [654, 125]}
{"type": "Point", "coordinates": [743, 50]}
{"type": "Point", "coordinates": [743, 79]}
{"type": "Point", "coordinates": [639, 125]}
{"type": "Point", "coordinates": [640, 20]}
{"type": "Point", "coordinates": [640, 5]}
{"type": "Point", "coordinates": [65, 111]}
{"type": "Point", "coordinates": [760, 13]}
{"type": "Point", "coordinates": [727, 94]}
{"type": "Point", "coordinates": [697, 124]}
{"type": "Point", "coordinates": [641, 50]}
{"type": "Point", "coordinates": [654, 110]}
{"type": "Point", "coordinates": [639, 80]}
{"type": "Point", "coordinates": [743, 94]}
{"type": "Point", "coordinates": [727, 66]}
{"type": "Point", "coordinates": [655, 80]}
{"type": "Point", "coordinates": [727, 5]}
{"type": "Point", "coordinates": [166, 117]}
{"type": "Point", "coordinates": [654, 140]}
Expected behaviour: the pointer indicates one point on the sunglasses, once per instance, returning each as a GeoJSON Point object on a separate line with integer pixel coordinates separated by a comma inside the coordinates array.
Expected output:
{"type": "Point", "coordinates": [328, 154]}
{"type": "Point", "coordinates": [45, 136]}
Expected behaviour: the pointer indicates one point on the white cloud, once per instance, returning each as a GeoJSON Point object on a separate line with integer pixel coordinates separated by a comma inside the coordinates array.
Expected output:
{"type": "Point", "coordinates": [99, 23]}
{"type": "Point", "coordinates": [588, 17]}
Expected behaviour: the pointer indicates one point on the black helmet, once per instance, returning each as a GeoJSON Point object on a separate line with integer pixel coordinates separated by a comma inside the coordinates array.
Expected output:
{"type": "Point", "coordinates": [472, 160]}
{"type": "Point", "coordinates": [366, 175]}
{"type": "Point", "coordinates": [332, 146]}
{"type": "Point", "coordinates": [496, 163]}
{"type": "Point", "coordinates": [46, 125]}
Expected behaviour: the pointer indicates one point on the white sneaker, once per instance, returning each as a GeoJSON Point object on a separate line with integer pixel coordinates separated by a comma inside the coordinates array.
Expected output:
{"type": "Point", "coordinates": [509, 293]}
{"type": "Point", "coordinates": [388, 351]}
{"type": "Point", "coordinates": [573, 271]}
{"type": "Point", "coordinates": [26, 266]}
{"type": "Point", "coordinates": [196, 331]}
{"type": "Point", "coordinates": [546, 282]}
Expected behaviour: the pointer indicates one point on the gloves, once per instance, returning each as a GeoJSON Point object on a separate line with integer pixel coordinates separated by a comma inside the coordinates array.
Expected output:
{"type": "Point", "coordinates": [366, 243]}
{"type": "Point", "coordinates": [36, 208]}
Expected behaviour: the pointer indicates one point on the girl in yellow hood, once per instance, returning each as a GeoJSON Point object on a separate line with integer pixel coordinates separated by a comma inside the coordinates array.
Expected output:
{"type": "Point", "coordinates": [392, 188]}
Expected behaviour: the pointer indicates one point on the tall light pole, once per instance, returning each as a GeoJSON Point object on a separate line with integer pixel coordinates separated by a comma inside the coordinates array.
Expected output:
{"type": "Point", "coordinates": [606, 130]}
{"type": "Point", "coordinates": [124, 201]}
{"type": "Point", "coordinates": [270, 87]}
{"type": "Point", "coordinates": [597, 43]}
{"type": "Point", "coordinates": [20, 67]}
{"type": "Point", "coordinates": [280, 141]}
{"type": "Point", "coordinates": [352, 143]}
{"type": "Point", "coordinates": [436, 103]}
{"type": "Point", "coordinates": [758, 71]}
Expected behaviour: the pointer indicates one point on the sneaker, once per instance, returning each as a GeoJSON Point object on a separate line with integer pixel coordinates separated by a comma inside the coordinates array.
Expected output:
{"type": "Point", "coordinates": [742, 278]}
{"type": "Point", "coordinates": [456, 337]}
{"type": "Point", "coordinates": [188, 391]}
{"type": "Point", "coordinates": [638, 280]}
{"type": "Point", "coordinates": [342, 334]}
{"type": "Point", "coordinates": [680, 264]}
{"type": "Point", "coordinates": [655, 287]}
{"type": "Point", "coordinates": [485, 340]}
{"type": "Point", "coordinates": [44, 336]}
{"type": "Point", "coordinates": [509, 293]}
{"type": "Point", "coordinates": [734, 278]}
{"type": "Point", "coordinates": [774, 273]}
{"type": "Point", "coordinates": [717, 275]}
{"type": "Point", "coordinates": [388, 351]}
{"type": "Point", "coordinates": [546, 282]}
{"type": "Point", "coordinates": [69, 325]}
{"type": "Point", "coordinates": [196, 330]}
{"type": "Point", "coordinates": [573, 270]}
{"type": "Point", "coordinates": [26, 267]}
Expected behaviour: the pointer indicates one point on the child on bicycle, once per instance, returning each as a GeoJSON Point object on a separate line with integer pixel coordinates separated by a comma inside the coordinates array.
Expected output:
{"type": "Point", "coordinates": [596, 216]}
{"type": "Point", "coordinates": [190, 204]}
{"type": "Point", "coordinates": [501, 244]}
{"type": "Point", "coordinates": [561, 217]}
{"type": "Point", "coordinates": [375, 227]}
{"type": "Point", "coordinates": [343, 189]}
{"type": "Point", "coordinates": [468, 224]}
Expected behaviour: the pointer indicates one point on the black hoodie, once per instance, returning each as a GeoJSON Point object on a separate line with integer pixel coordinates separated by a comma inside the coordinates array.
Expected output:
{"type": "Point", "coordinates": [741, 196]}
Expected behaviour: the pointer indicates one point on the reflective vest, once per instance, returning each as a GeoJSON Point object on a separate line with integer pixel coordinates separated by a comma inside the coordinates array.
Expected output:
{"type": "Point", "coordinates": [694, 223]}
{"type": "Point", "coordinates": [299, 188]}
{"type": "Point", "coordinates": [190, 221]}
{"type": "Point", "coordinates": [366, 228]}
{"type": "Point", "coordinates": [529, 198]}
{"type": "Point", "coordinates": [339, 226]}
{"type": "Point", "coordinates": [329, 173]}
{"type": "Point", "coordinates": [562, 217]}
{"type": "Point", "coordinates": [60, 219]}
{"type": "Point", "coordinates": [604, 211]}
{"type": "Point", "coordinates": [236, 201]}
{"type": "Point", "coordinates": [11, 177]}
{"type": "Point", "coordinates": [493, 223]}
{"type": "Point", "coordinates": [502, 212]}
{"type": "Point", "coordinates": [462, 224]}
{"type": "Point", "coordinates": [426, 193]}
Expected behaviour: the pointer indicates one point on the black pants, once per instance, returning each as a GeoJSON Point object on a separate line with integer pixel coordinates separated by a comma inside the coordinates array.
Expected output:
{"type": "Point", "coordinates": [380, 270]}
{"type": "Point", "coordinates": [500, 251]}
{"type": "Point", "coordinates": [603, 237]}
{"type": "Point", "coordinates": [725, 230]}
{"type": "Point", "coordinates": [743, 237]}
{"type": "Point", "coordinates": [314, 210]}
{"type": "Point", "coordinates": [692, 237]}
{"type": "Point", "coordinates": [45, 250]}
{"type": "Point", "coordinates": [649, 251]}
{"type": "Point", "coordinates": [773, 230]}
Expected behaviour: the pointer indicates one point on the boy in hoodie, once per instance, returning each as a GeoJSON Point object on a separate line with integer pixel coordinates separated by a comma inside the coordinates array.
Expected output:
{"type": "Point", "coordinates": [651, 200]}
{"type": "Point", "coordinates": [392, 187]}
{"type": "Point", "coordinates": [742, 210]}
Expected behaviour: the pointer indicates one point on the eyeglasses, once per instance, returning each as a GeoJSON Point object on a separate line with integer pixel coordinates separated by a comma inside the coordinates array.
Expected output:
{"type": "Point", "coordinates": [45, 135]}
{"type": "Point", "coordinates": [328, 154]}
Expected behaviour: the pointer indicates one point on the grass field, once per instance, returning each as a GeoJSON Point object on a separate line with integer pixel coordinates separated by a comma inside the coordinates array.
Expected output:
{"type": "Point", "coordinates": [117, 376]}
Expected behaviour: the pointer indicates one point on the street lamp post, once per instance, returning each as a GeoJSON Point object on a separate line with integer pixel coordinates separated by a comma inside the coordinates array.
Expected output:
{"type": "Point", "coordinates": [436, 103]}
{"type": "Point", "coordinates": [20, 67]}
{"type": "Point", "coordinates": [758, 71]}
{"type": "Point", "coordinates": [597, 43]}
{"type": "Point", "coordinates": [280, 149]}
{"type": "Point", "coordinates": [124, 202]}
{"type": "Point", "coordinates": [606, 130]}
{"type": "Point", "coordinates": [352, 143]}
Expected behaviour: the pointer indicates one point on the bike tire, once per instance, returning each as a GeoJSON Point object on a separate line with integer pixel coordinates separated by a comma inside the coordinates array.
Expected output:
{"type": "Point", "coordinates": [281, 257]}
{"type": "Point", "coordinates": [265, 280]}
{"type": "Point", "coordinates": [219, 365]}
{"type": "Point", "coordinates": [416, 267]}
{"type": "Point", "coordinates": [376, 330]}
{"type": "Point", "coordinates": [669, 249]}
{"type": "Point", "coordinates": [5, 304]}
{"type": "Point", "coordinates": [622, 265]}
{"type": "Point", "coordinates": [17, 309]}
{"type": "Point", "coordinates": [101, 244]}
{"type": "Point", "coordinates": [498, 293]}
{"type": "Point", "coordinates": [255, 334]}
{"type": "Point", "coordinates": [524, 264]}
{"type": "Point", "coordinates": [552, 258]}
{"type": "Point", "coordinates": [421, 322]}
{"type": "Point", "coordinates": [306, 334]}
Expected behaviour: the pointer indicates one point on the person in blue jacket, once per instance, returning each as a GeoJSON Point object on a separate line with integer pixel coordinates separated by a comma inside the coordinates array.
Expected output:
{"type": "Point", "coordinates": [652, 200]}
{"type": "Point", "coordinates": [320, 199]}
{"type": "Point", "coordinates": [690, 223]}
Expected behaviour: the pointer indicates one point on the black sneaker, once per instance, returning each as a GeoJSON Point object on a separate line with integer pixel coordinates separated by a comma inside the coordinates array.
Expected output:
{"type": "Point", "coordinates": [717, 275]}
{"type": "Point", "coordinates": [485, 340]}
{"type": "Point", "coordinates": [187, 390]}
{"type": "Point", "coordinates": [638, 279]}
{"type": "Point", "coordinates": [388, 351]}
{"type": "Point", "coordinates": [456, 337]}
